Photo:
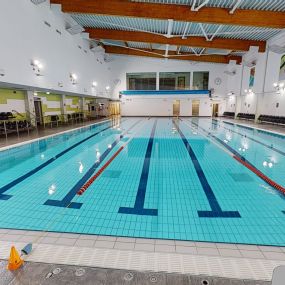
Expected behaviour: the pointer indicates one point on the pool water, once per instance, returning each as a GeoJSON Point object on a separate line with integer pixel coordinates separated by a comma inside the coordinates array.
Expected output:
{"type": "Point", "coordinates": [160, 178]}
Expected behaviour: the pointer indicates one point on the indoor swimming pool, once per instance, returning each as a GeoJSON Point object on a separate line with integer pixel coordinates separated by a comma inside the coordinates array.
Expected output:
{"type": "Point", "coordinates": [196, 179]}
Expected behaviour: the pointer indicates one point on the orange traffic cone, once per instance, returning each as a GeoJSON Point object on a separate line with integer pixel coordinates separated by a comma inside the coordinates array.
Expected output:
{"type": "Point", "coordinates": [15, 260]}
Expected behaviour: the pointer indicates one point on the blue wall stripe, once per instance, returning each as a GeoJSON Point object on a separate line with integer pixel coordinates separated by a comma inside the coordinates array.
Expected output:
{"type": "Point", "coordinates": [38, 168]}
{"type": "Point", "coordinates": [216, 210]}
{"type": "Point", "coordinates": [138, 208]}
{"type": "Point", "coordinates": [164, 92]}
{"type": "Point", "coordinates": [67, 200]}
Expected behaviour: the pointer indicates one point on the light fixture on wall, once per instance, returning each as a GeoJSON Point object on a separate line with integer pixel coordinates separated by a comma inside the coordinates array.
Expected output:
{"type": "Point", "coordinates": [231, 93]}
{"type": "Point", "coordinates": [94, 84]}
{"type": "Point", "coordinates": [107, 88]}
{"type": "Point", "coordinates": [248, 92]}
{"type": "Point", "coordinates": [73, 78]}
{"type": "Point", "coordinates": [279, 87]}
{"type": "Point", "coordinates": [37, 67]}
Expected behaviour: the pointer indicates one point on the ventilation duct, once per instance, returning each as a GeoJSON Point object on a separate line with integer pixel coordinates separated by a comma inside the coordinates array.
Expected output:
{"type": "Point", "coordinates": [231, 73]}
{"type": "Point", "coordinates": [98, 49]}
{"type": "Point", "coordinates": [277, 49]}
{"type": "Point", "coordinates": [37, 2]}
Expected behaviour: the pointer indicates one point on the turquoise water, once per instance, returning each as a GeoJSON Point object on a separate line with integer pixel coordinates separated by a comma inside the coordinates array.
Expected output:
{"type": "Point", "coordinates": [172, 180]}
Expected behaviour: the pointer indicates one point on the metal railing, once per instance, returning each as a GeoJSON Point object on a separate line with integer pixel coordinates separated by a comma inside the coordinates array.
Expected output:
{"type": "Point", "coordinates": [15, 126]}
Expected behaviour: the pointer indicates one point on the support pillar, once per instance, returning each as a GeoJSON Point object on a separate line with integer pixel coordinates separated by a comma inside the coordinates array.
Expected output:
{"type": "Point", "coordinates": [63, 108]}
{"type": "Point", "coordinates": [30, 108]}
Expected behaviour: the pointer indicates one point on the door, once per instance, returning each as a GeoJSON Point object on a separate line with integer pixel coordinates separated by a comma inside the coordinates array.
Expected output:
{"type": "Point", "coordinates": [38, 111]}
{"type": "Point", "coordinates": [195, 107]}
{"type": "Point", "coordinates": [215, 110]}
{"type": "Point", "coordinates": [176, 108]}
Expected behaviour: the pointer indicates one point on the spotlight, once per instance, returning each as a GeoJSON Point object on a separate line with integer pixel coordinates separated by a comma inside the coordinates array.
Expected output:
{"type": "Point", "coordinates": [94, 84]}
{"type": "Point", "coordinates": [73, 78]}
{"type": "Point", "coordinates": [107, 88]}
{"type": "Point", "coordinates": [37, 66]}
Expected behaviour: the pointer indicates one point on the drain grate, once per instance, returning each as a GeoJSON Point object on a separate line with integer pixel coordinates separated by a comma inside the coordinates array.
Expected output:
{"type": "Point", "coordinates": [129, 276]}
{"type": "Point", "coordinates": [79, 272]}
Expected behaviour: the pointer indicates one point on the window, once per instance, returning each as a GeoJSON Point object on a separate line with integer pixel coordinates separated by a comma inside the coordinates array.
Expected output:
{"type": "Point", "coordinates": [141, 81]}
{"type": "Point", "coordinates": [174, 80]}
{"type": "Point", "coordinates": [201, 80]}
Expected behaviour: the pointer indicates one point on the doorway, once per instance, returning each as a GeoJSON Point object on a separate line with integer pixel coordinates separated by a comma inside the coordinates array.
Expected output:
{"type": "Point", "coordinates": [195, 107]}
{"type": "Point", "coordinates": [215, 110]}
{"type": "Point", "coordinates": [176, 108]}
{"type": "Point", "coordinates": [38, 111]}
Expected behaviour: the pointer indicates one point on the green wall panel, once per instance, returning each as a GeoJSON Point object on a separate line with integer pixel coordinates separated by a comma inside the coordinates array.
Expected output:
{"type": "Point", "coordinates": [6, 94]}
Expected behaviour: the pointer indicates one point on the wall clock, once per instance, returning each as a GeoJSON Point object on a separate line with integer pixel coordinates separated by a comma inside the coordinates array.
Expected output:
{"type": "Point", "coordinates": [218, 81]}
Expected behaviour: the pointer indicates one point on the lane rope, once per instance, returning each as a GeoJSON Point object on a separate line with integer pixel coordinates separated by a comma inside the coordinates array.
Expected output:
{"type": "Point", "coordinates": [101, 170]}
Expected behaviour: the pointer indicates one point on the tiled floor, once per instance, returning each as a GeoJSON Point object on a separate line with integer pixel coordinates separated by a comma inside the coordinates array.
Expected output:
{"type": "Point", "coordinates": [55, 274]}
{"type": "Point", "coordinates": [41, 132]}
{"type": "Point", "coordinates": [215, 259]}
{"type": "Point", "coordinates": [149, 245]}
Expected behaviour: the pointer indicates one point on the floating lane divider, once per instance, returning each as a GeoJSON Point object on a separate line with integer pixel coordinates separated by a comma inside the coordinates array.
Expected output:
{"type": "Point", "coordinates": [245, 162]}
{"type": "Point", "coordinates": [139, 208]}
{"type": "Point", "coordinates": [18, 180]}
{"type": "Point", "coordinates": [216, 210]}
{"type": "Point", "coordinates": [100, 171]}
{"type": "Point", "coordinates": [67, 200]}
{"type": "Point", "coordinates": [250, 138]}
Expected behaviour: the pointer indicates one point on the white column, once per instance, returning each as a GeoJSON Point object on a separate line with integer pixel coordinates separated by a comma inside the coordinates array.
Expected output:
{"type": "Point", "coordinates": [63, 107]}
{"type": "Point", "coordinates": [30, 107]}
{"type": "Point", "coordinates": [260, 97]}
{"type": "Point", "coordinates": [157, 81]}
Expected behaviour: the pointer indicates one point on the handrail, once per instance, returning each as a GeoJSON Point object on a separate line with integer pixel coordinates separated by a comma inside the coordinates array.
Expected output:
{"type": "Point", "coordinates": [31, 114]}
{"type": "Point", "coordinates": [18, 113]}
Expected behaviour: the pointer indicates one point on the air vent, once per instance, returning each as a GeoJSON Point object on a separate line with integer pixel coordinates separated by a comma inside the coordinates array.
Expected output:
{"type": "Point", "coordinates": [76, 29]}
{"type": "Point", "coordinates": [58, 31]}
{"type": "Point", "coordinates": [37, 2]}
{"type": "Point", "coordinates": [47, 24]}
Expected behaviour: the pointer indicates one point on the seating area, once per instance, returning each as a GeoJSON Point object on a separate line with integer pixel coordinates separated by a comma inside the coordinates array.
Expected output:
{"type": "Point", "coordinates": [278, 120]}
{"type": "Point", "coordinates": [229, 114]}
{"type": "Point", "coordinates": [5, 116]}
{"type": "Point", "coordinates": [13, 126]}
{"type": "Point", "coordinates": [246, 116]}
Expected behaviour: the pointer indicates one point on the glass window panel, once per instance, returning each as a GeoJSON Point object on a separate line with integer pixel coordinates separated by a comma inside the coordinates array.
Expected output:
{"type": "Point", "coordinates": [201, 80]}
{"type": "Point", "coordinates": [174, 80]}
{"type": "Point", "coordinates": [141, 81]}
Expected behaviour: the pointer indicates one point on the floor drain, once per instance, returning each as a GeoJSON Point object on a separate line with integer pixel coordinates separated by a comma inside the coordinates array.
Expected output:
{"type": "Point", "coordinates": [153, 279]}
{"type": "Point", "coordinates": [79, 272]}
{"type": "Point", "coordinates": [56, 271]}
{"type": "Point", "coordinates": [129, 276]}
{"type": "Point", "coordinates": [205, 282]}
{"type": "Point", "coordinates": [49, 275]}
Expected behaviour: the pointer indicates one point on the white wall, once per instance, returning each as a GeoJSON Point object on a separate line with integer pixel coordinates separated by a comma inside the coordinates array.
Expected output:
{"type": "Point", "coordinates": [25, 37]}
{"type": "Point", "coordinates": [131, 64]}
{"type": "Point", "coordinates": [264, 99]}
{"type": "Point", "coordinates": [162, 105]}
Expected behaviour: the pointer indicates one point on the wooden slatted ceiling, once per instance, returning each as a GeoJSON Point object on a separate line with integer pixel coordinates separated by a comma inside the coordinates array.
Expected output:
{"type": "Point", "coordinates": [256, 18]}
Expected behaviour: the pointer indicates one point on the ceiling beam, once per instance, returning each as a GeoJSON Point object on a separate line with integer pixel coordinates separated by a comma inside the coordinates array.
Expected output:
{"type": "Point", "coordinates": [219, 43]}
{"type": "Point", "coordinates": [171, 55]}
{"type": "Point", "coordinates": [214, 15]}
